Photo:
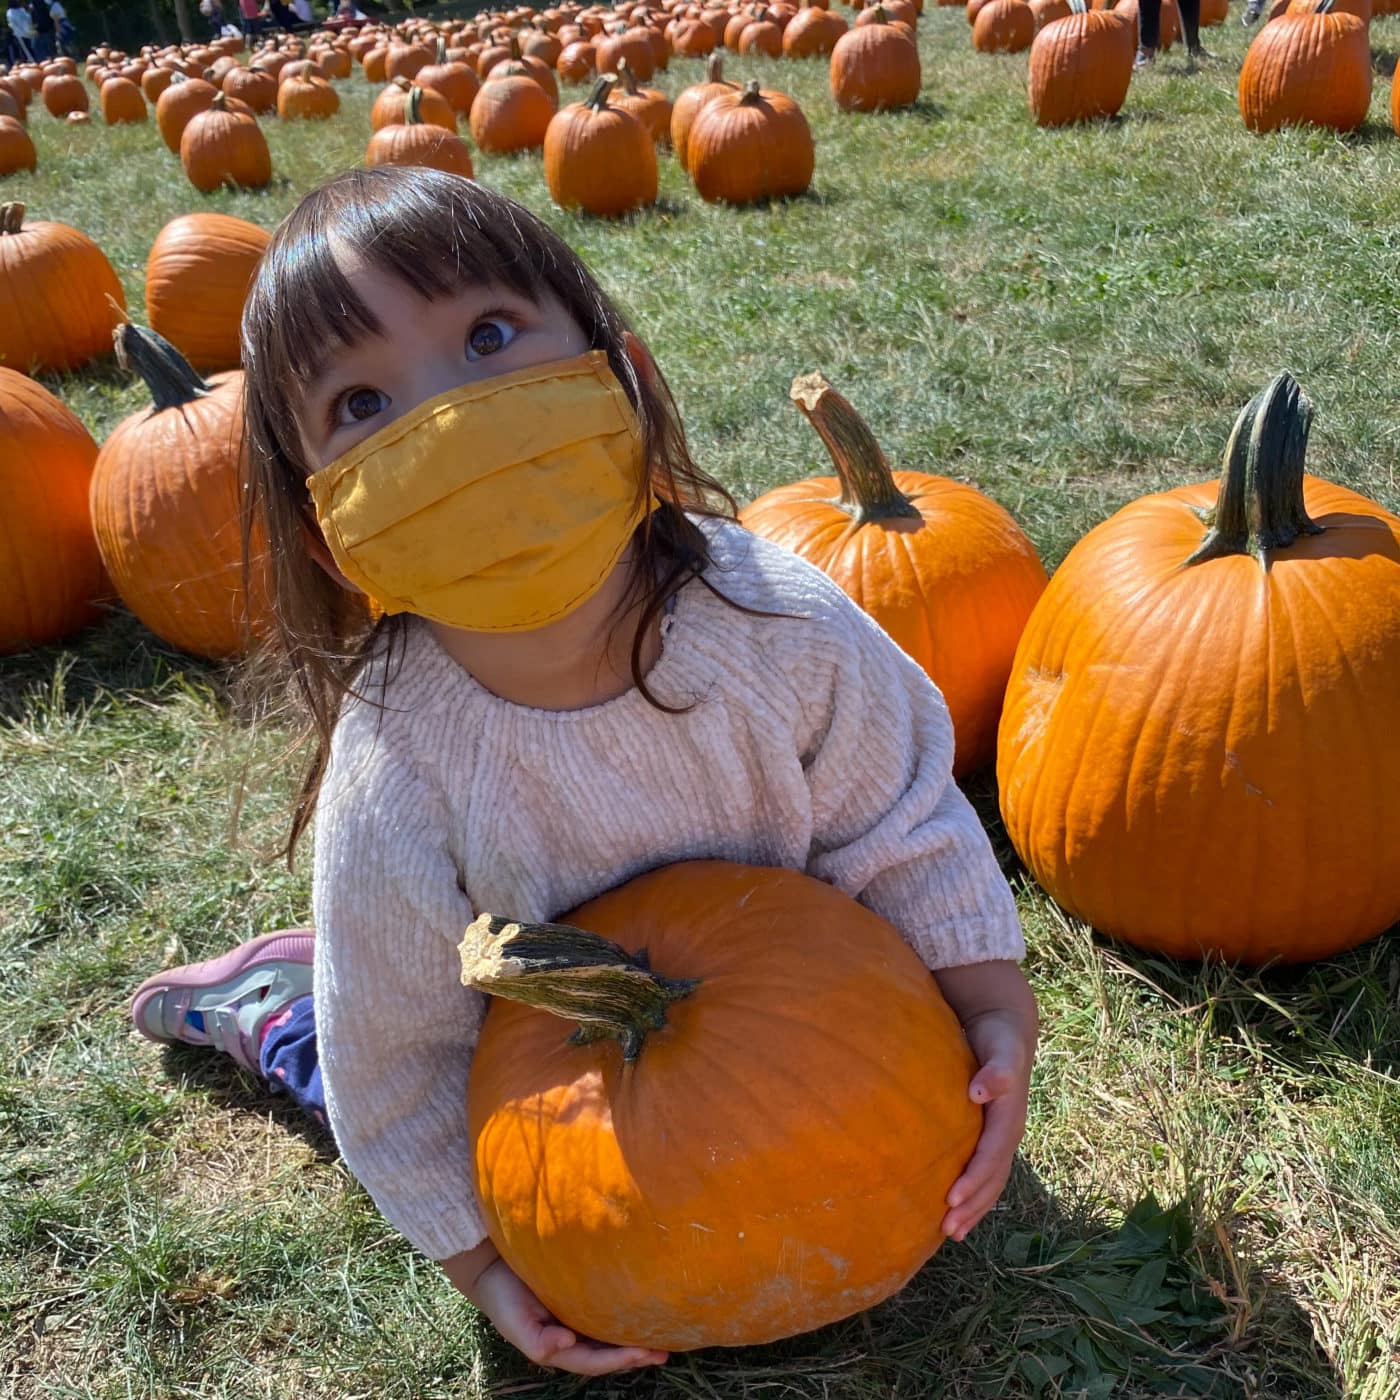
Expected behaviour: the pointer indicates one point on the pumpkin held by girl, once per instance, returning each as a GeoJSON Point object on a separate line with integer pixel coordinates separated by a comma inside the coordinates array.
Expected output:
{"type": "Point", "coordinates": [1198, 751]}
{"type": "Point", "coordinates": [612, 1093]}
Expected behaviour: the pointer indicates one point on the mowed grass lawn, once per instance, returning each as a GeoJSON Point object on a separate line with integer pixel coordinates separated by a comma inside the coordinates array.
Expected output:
{"type": "Point", "coordinates": [1209, 1192]}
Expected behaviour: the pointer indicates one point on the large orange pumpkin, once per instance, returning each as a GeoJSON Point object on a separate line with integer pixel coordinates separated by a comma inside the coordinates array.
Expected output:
{"type": "Point", "coordinates": [599, 158]}
{"type": "Point", "coordinates": [197, 277]}
{"type": "Point", "coordinates": [413, 141]}
{"type": "Point", "coordinates": [16, 147]}
{"type": "Point", "coordinates": [755, 1138]}
{"type": "Point", "coordinates": [750, 145]}
{"type": "Point", "coordinates": [942, 568]}
{"type": "Point", "coordinates": [1080, 66]}
{"type": "Point", "coordinates": [1308, 69]}
{"type": "Point", "coordinates": [59, 297]}
{"type": "Point", "coordinates": [1003, 26]}
{"type": "Point", "coordinates": [165, 505]}
{"type": "Point", "coordinates": [50, 571]}
{"type": "Point", "coordinates": [691, 100]}
{"type": "Point", "coordinates": [875, 66]}
{"type": "Point", "coordinates": [225, 146]}
{"type": "Point", "coordinates": [1199, 749]}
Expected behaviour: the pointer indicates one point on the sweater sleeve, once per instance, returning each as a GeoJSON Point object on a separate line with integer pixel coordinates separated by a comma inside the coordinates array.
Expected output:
{"type": "Point", "coordinates": [396, 1027]}
{"type": "Point", "coordinates": [890, 827]}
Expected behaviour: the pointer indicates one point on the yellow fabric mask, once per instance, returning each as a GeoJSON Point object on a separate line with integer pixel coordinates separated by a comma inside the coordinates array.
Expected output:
{"type": "Point", "coordinates": [496, 507]}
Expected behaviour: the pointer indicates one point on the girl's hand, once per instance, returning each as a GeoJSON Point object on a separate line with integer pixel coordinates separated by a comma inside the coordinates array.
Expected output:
{"type": "Point", "coordinates": [998, 1015]}
{"type": "Point", "coordinates": [527, 1324]}
{"type": "Point", "coordinates": [1003, 1086]}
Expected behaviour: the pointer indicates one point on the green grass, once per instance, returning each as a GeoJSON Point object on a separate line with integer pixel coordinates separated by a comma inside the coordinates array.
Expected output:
{"type": "Point", "coordinates": [1066, 319]}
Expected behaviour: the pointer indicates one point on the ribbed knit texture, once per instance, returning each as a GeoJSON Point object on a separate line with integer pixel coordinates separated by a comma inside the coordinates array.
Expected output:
{"type": "Point", "coordinates": [813, 743]}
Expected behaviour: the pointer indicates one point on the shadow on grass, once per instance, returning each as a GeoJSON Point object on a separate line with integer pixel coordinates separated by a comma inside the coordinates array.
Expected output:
{"type": "Point", "coordinates": [1383, 62]}
{"type": "Point", "coordinates": [217, 1077]}
{"type": "Point", "coordinates": [1046, 1298]}
{"type": "Point", "coordinates": [115, 655]}
{"type": "Point", "coordinates": [1301, 1015]}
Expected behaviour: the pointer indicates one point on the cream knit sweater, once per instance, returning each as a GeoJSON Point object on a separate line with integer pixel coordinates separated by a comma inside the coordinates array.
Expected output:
{"type": "Point", "coordinates": [814, 743]}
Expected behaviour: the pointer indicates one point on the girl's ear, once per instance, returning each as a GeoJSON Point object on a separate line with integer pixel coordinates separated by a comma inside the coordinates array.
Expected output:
{"type": "Point", "coordinates": [641, 359]}
{"type": "Point", "coordinates": [319, 551]}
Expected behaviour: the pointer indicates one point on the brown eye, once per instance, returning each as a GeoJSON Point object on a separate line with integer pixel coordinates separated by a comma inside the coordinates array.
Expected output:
{"type": "Point", "coordinates": [487, 337]}
{"type": "Point", "coordinates": [363, 403]}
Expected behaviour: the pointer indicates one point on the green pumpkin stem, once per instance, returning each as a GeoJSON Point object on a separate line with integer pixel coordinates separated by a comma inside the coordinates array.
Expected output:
{"type": "Point", "coordinates": [1260, 508]}
{"type": "Point", "coordinates": [598, 98]}
{"type": "Point", "coordinates": [412, 112]}
{"type": "Point", "coordinates": [169, 376]}
{"type": "Point", "coordinates": [571, 973]}
{"type": "Point", "coordinates": [12, 217]}
{"type": "Point", "coordinates": [441, 51]}
{"type": "Point", "coordinates": [868, 490]}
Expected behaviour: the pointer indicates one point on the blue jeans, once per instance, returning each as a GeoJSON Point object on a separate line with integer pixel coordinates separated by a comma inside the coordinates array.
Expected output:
{"type": "Point", "coordinates": [289, 1061]}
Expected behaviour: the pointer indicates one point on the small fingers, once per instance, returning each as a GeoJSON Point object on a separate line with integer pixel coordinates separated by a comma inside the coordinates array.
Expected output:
{"type": "Point", "coordinates": [589, 1359]}
{"type": "Point", "coordinates": [992, 1081]}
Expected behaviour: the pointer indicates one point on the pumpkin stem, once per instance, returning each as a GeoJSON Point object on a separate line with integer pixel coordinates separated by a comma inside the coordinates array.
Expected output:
{"type": "Point", "coordinates": [1260, 507]}
{"type": "Point", "coordinates": [168, 375]}
{"type": "Point", "coordinates": [598, 98]}
{"type": "Point", "coordinates": [714, 69]}
{"type": "Point", "coordinates": [571, 973]}
{"type": "Point", "coordinates": [629, 78]}
{"type": "Point", "coordinates": [752, 94]}
{"type": "Point", "coordinates": [868, 492]}
{"type": "Point", "coordinates": [412, 111]}
{"type": "Point", "coordinates": [12, 217]}
{"type": "Point", "coordinates": [441, 51]}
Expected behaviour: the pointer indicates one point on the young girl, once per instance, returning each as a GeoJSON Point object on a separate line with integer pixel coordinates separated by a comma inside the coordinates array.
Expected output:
{"type": "Point", "coordinates": [577, 667]}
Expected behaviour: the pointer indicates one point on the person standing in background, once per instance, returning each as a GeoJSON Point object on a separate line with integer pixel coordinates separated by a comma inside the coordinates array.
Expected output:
{"type": "Point", "coordinates": [21, 32]}
{"type": "Point", "coordinates": [65, 36]}
{"type": "Point", "coordinates": [41, 21]}
{"type": "Point", "coordinates": [1150, 28]}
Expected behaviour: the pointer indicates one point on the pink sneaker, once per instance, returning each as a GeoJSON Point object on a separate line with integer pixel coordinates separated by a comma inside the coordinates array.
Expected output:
{"type": "Point", "coordinates": [225, 1002]}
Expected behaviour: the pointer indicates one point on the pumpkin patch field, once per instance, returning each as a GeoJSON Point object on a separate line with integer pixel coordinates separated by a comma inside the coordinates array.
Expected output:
{"type": "Point", "coordinates": [1150, 362]}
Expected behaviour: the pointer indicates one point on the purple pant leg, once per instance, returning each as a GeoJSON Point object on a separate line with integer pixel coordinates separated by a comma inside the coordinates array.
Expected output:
{"type": "Point", "coordinates": [289, 1060]}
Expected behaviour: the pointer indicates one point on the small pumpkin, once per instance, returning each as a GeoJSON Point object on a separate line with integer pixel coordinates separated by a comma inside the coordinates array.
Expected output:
{"type": "Point", "coordinates": [50, 572]}
{"type": "Point", "coordinates": [416, 142]}
{"type": "Point", "coordinates": [1198, 751]}
{"type": "Point", "coordinates": [197, 278]}
{"type": "Point", "coordinates": [691, 100]}
{"type": "Point", "coordinates": [165, 496]}
{"type": "Point", "coordinates": [16, 147]}
{"type": "Point", "coordinates": [512, 112]}
{"type": "Point", "coordinates": [875, 67]}
{"type": "Point", "coordinates": [942, 568]}
{"type": "Point", "coordinates": [452, 80]}
{"type": "Point", "coordinates": [59, 297]}
{"type": "Point", "coordinates": [222, 146]}
{"type": "Point", "coordinates": [305, 97]}
{"type": "Point", "coordinates": [635, 1137]}
{"type": "Point", "coordinates": [650, 106]}
{"type": "Point", "coordinates": [121, 102]}
{"type": "Point", "coordinates": [750, 145]}
{"type": "Point", "coordinates": [578, 62]}
{"type": "Point", "coordinates": [255, 86]}
{"type": "Point", "coordinates": [599, 158]}
{"type": "Point", "coordinates": [392, 104]}
{"type": "Point", "coordinates": [812, 32]}
{"type": "Point", "coordinates": [763, 37]}
{"type": "Point", "coordinates": [1080, 66]}
{"type": "Point", "coordinates": [1003, 26]}
{"type": "Point", "coordinates": [178, 103]}
{"type": "Point", "coordinates": [1309, 69]}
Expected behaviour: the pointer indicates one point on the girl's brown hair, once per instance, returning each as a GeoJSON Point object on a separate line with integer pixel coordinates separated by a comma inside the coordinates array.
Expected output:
{"type": "Point", "coordinates": [436, 233]}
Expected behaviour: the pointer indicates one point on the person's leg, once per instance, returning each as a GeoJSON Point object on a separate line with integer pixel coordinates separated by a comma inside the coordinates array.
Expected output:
{"type": "Point", "coordinates": [1191, 25]}
{"type": "Point", "coordinates": [290, 1060]}
{"type": "Point", "coordinates": [1149, 30]}
{"type": "Point", "coordinates": [254, 1003]}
